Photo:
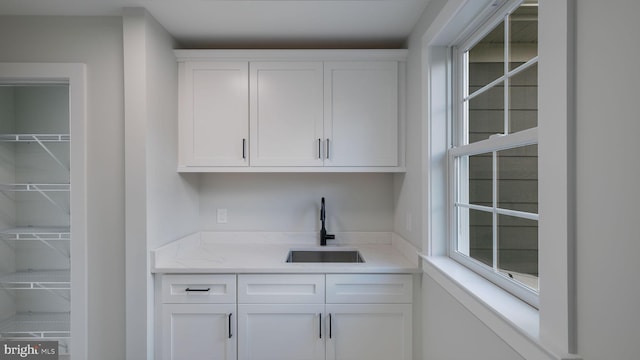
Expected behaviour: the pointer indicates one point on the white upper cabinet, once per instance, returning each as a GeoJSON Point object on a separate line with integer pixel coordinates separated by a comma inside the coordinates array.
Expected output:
{"type": "Point", "coordinates": [214, 114]}
{"type": "Point", "coordinates": [361, 113]}
{"type": "Point", "coordinates": [285, 111]}
{"type": "Point", "coordinates": [291, 110]}
{"type": "Point", "coordinates": [196, 317]}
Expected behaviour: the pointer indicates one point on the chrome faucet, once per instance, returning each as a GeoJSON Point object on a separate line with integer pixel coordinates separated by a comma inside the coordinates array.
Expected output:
{"type": "Point", "coordinates": [323, 231]}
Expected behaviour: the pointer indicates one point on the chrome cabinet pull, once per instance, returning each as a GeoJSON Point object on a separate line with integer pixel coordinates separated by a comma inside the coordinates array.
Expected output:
{"type": "Point", "coordinates": [319, 148]}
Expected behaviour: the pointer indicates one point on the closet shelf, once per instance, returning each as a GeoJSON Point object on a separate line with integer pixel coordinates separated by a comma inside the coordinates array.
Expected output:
{"type": "Point", "coordinates": [41, 189]}
{"type": "Point", "coordinates": [37, 233]}
{"type": "Point", "coordinates": [38, 325]}
{"type": "Point", "coordinates": [34, 137]}
{"type": "Point", "coordinates": [40, 139]}
{"type": "Point", "coordinates": [34, 187]}
{"type": "Point", "coordinates": [37, 279]}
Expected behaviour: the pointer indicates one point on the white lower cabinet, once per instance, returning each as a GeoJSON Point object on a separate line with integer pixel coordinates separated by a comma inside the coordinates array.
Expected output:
{"type": "Point", "coordinates": [280, 332]}
{"type": "Point", "coordinates": [369, 316]}
{"type": "Point", "coordinates": [295, 319]}
{"type": "Point", "coordinates": [285, 317]}
{"type": "Point", "coordinates": [280, 317]}
{"type": "Point", "coordinates": [196, 317]}
{"type": "Point", "coordinates": [198, 331]}
{"type": "Point", "coordinates": [368, 331]}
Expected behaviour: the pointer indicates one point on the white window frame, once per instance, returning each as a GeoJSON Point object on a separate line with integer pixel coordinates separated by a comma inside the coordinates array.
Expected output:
{"type": "Point", "coordinates": [548, 332]}
{"type": "Point", "coordinates": [462, 148]}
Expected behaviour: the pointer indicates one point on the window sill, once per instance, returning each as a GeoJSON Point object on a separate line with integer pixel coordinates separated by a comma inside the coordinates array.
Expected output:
{"type": "Point", "coordinates": [513, 320]}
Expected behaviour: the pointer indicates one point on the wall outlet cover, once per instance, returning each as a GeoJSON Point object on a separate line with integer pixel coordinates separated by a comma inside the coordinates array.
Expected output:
{"type": "Point", "coordinates": [221, 216]}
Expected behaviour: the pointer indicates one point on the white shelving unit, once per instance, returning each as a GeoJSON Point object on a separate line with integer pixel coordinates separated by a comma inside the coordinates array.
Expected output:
{"type": "Point", "coordinates": [38, 325]}
{"type": "Point", "coordinates": [37, 233]}
{"type": "Point", "coordinates": [41, 188]}
{"type": "Point", "coordinates": [37, 279]}
{"type": "Point", "coordinates": [47, 326]}
{"type": "Point", "coordinates": [40, 139]}
{"type": "Point", "coordinates": [35, 239]}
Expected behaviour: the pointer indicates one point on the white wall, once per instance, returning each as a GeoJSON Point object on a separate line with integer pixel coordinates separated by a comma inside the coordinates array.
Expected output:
{"type": "Point", "coordinates": [291, 202]}
{"type": "Point", "coordinates": [408, 186]}
{"type": "Point", "coordinates": [96, 41]}
{"type": "Point", "coordinates": [607, 129]}
{"type": "Point", "coordinates": [451, 332]}
{"type": "Point", "coordinates": [161, 204]}
{"type": "Point", "coordinates": [608, 170]}
{"type": "Point", "coordinates": [173, 199]}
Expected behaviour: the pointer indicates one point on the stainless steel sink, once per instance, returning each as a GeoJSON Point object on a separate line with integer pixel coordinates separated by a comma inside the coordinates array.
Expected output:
{"type": "Point", "coordinates": [324, 256]}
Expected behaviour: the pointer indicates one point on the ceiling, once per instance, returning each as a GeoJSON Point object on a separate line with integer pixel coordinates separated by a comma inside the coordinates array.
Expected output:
{"type": "Point", "coordinates": [256, 23]}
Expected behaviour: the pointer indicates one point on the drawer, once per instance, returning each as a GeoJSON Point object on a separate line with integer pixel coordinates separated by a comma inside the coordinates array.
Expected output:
{"type": "Point", "coordinates": [369, 288]}
{"type": "Point", "coordinates": [202, 289]}
{"type": "Point", "coordinates": [281, 289]}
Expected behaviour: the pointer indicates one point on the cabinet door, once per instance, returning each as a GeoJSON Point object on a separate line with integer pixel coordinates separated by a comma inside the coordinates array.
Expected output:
{"type": "Point", "coordinates": [214, 114]}
{"type": "Point", "coordinates": [198, 331]}
{"type": "Point", "coordinates": [368, 331]}
{"type": "Point", "coordinates": [286, 113]}
{"type": "Point", "coordinates": [281, 332]}
{"type": "Point", "coordinates": [361, 113]}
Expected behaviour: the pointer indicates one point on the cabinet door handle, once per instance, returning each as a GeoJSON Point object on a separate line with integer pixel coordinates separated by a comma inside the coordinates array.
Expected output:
{"type": "Point", "coordinates": [319, 148]}
{"type": "Point", "coordinates": [326, 149]}
{"type": "Point", "coordinates": [196, 290]}
{"type": "Point", "coordinates": [330, 326]}
{"type": "Point", "coordinates": [320, 325]}
{"type": "Point", "coordinates": [244, 148]}
{"type": "Point", "coordinates": [230, 334]}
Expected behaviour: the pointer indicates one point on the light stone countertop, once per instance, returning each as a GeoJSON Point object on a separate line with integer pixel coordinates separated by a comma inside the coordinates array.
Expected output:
{"type": "Point", "coordinates": [258, 252]}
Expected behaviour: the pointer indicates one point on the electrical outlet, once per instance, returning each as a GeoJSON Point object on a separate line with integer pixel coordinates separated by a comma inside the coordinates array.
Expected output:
{"type": "Point", "coordinates": [221, 216]}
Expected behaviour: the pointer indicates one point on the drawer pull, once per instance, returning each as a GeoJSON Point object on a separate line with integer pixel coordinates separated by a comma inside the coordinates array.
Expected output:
{"type": "Point", "coordinates": [197, 290]}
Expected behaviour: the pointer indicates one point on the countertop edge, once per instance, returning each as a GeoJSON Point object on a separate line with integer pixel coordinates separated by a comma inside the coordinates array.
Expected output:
{"type": "Point", "coordinates": [194, 255]}
{"type": "Point", "coordinates": [393, 270]}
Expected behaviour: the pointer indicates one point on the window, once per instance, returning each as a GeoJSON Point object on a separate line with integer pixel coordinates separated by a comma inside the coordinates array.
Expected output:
{"type": "Point", "coordinates": [547, 330]}
{"type": "Point", "coordinates": [494, 158]}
